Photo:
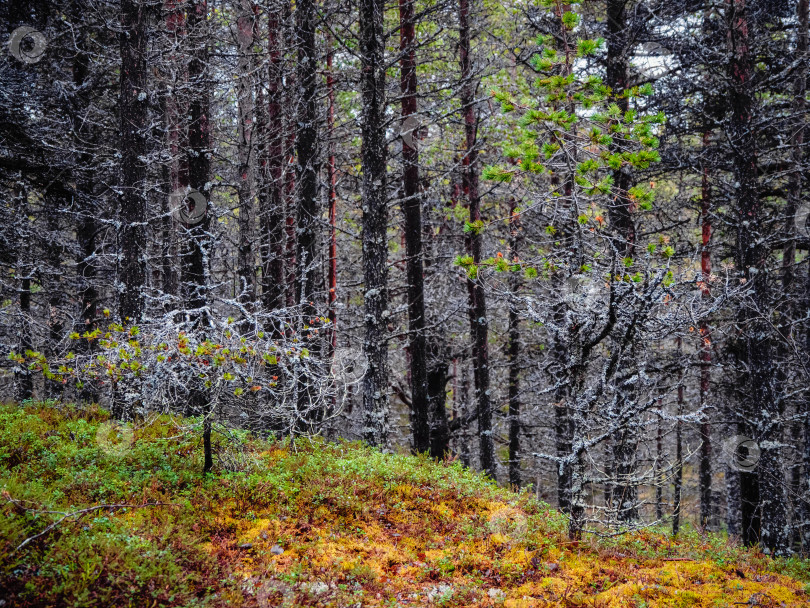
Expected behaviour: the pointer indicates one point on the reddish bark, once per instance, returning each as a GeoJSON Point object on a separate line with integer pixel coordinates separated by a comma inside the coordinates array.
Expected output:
{"type": "Point", "coordinates": [479, 327]}
{"type": "Point", "coordinates": [412, 209]}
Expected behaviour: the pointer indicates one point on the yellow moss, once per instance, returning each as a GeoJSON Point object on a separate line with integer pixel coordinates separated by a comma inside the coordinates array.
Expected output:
{"type": "Point", "coordinates": [321, 512]}
{"type": "Point", "coordinates": [443, 510]}
{"type": "Point", "coordinates": [404, 491]}
{"type": "Point", "coordinates": [522, 603]}
{"type": "Point", "coordinates": [554, 585]}
{"type": "Point", "coordinates": [685, 599]}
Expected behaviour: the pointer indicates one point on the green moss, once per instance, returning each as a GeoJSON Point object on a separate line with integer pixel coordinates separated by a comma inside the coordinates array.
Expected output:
{"type": "Point", "coordinates": [354, 525]}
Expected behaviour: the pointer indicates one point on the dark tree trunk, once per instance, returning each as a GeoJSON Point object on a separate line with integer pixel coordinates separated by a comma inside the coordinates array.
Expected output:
{"type": "Point", "coordinates": [705, 467]}
{"type": "Point", "coordinates": [678, 474]}
{"type": "Point", "coordinates": [196, 260]}
{"type": "Point", "coordinates": [762, 492]}
{"type": "Point", "coordinates": [801, 512]}
{"type": "Point", "coordinates": [616, 77]}
{"type": "Point", "coordinates": [308, 168]}
{"type": "Point", "coordinates": [24, 381]}
{"type": "Point", "coordinates": [86, 207]}
{"type": "Point", "coordinates": [196, 256]}
{"type": "Point", "coordinates": [176, 170]}
{"type": "Point", "coordinates": [375, 222]}
{"type": "Point", "coordinates": [309, 208]}
{"type": "Point", "coordinates": [290, 113]}
{"type": "Point", "coordinates": [272, 160]}
{"type": "Point", "coordinates": [478, 306]}
{"type": "Point", "coordinates": [563, 429]}
{"type": "Point", "coordinates": [622, 489]}
{"type": "Point", "coordinates": [438, 366]}
{"type": "Point", "coordinates": [246, 267]}
{"type": "Point", "coordinates": [133, 110]}
{"type": "Point", "coordinates": [805, 485]}
{"type": "Point", "coordinates": [513, 357]}
{"type": "Point", "coordinates": [659, 482]}
{"type": "Point", "coordinates": [331, 180]}
{"type": "Point", "coordinates": [624, 495]}
{"type": "Point", "coordinates": [412, 210]}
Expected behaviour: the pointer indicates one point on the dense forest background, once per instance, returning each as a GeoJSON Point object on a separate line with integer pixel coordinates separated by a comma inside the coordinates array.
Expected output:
{"type": "Point", "coordinates": [565, 243]}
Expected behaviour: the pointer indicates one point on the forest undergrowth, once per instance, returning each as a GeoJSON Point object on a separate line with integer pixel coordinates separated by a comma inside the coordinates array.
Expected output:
{"type": "Point", "coordinates": [93, 515]}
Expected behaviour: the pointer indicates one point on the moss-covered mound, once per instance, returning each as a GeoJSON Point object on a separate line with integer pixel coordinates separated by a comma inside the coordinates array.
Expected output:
{"type": "Point", "coordinates": [316, 524]}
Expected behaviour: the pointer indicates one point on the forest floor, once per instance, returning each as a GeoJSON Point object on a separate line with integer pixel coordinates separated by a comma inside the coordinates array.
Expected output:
{"type": "Point", "coordinates": [318, 524]}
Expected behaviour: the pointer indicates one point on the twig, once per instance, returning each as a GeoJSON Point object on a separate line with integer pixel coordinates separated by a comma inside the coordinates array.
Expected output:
{"type": "Point", "coordinates": [80, 513]}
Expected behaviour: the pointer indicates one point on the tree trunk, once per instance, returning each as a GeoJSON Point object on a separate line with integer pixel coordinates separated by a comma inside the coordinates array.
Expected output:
{"type": "Point", "coordinates": [24, 381]}
{"type": "Point", "coordinates": [197, 252]}
{"type": "Point", "coordinates": [374, 223]}
{"type": "Point", "coordinates": [308, 204]}
{"type": "Point", "coordinates": [331, 181]}
{"type": "Point", "coordinates": [625, 440]}
{"type": "Point", "coordinates": [272, 160]}
{"type": "Point", "coordinates": [176, 170]}
{"type": "Point", "coordinates": [513, 357]}
{"type": "Point", "coordinates": [133, 110]}
{"type": "Point", "coordinates": [616, 77]}
{"type": "Point", "coordinates": [678, 476]}
{"type": "Point", "coordinates": [438, 366]}
{"type": "Point", "coordinates": [762, 491]}
{"type": "Point", "coordinates": [290, 118]}
{"type": "Point", "coordinates": [308, 168]}
{"type": "Point", "coordinates": [478, 306]}
{"type": "Point", "coordinates": [705, 467]}
{"type": "Point", "coordinates": [197, 255]}
{"type": "Point", "coordinates": [412, 210]}
{"type": "Point", "coordinates": [87, 209]}
{"type": "Point", "coordinates": [801, 512]}
{"type": "Point", "coordinates": [659, 482]}
{"type": "Point", "coordinates": [246, 268]}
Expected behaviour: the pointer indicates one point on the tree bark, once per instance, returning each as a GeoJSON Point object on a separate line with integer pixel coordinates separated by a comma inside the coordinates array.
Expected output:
{"type": "Point", "coordinates": [625, 440]}
{"type": "Point", "coordinates": [705, 466]}
{"type": "Point", "coordinates": [197, 255]}
{"type": "Point", "coordinates": [331, 180]}
{"type": "Point", "coordinates": [678, 476]}
{"type": "Point", "coordinates": [412, 210]}
{"type": "Point", "coordinates": [801, 511]}
{"type": "Point", "coordinates": [374, 223]}
{"type": "Point", "coordinates": [176, 170]}
{"type": "Point", "coordinates": [479, 328]}
{"type": "Point", "coordinates": [308, 167]}
{"type": "Point", "coordinates": [617, 78]}
{"type": "Point", "coordinates": [86, 207]}
{"type": "Point", "coordinates": [762, 492]}
{"type": "Point", "coordinates": [24, 381]}
{"type": "Point", "coordinates": [513, 357]}
{"type": "Point", "coordinates": [272, 160]}
{"type": "Point", "coordinates": [308, 203]}
{"type": "Point", "coordinates": [246, 268]}
{"type": "Point", "coordinates": [437, 377]}
{"type": "Point", "coordinates": [133, 111]}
